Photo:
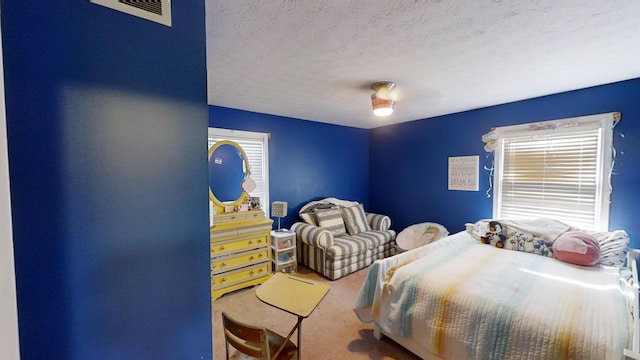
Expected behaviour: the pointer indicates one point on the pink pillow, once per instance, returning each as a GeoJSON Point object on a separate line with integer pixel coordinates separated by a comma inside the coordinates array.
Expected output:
{"type": "Point", "coordinates": [577, 247]}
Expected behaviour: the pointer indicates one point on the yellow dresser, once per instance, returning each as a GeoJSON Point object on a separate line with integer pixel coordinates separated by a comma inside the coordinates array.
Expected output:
{"type": "Point", "coordinates": [240, 251]}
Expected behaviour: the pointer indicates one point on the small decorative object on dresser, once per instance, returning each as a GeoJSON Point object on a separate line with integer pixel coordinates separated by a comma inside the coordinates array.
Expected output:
{"type": "Point", "coordinates": [253, 202]}
{"type": "Point", "coordinates": [283, 247]}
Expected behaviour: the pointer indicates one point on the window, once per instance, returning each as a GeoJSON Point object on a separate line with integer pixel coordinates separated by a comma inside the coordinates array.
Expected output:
{"type": "Point", "coordinates": [556, 169]}
{"type": "Point", "coordinates": [256, 146]}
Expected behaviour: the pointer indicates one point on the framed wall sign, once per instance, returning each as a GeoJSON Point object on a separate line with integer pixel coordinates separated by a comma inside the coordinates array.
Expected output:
{"type": "Point", "coordinates": [463, 173]}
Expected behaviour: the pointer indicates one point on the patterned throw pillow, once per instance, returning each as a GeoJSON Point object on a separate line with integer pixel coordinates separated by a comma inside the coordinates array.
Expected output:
{"type": "Point", "coordinates": [332, 221]}
{"type": "Point", "coordinates": [308, 215]}
{"type": "Point", "coordinates": [497, 233]}
{"type": "Point", "coordinates": [614, 246]}
{"type": "Point", "coordinates": [355, 219]}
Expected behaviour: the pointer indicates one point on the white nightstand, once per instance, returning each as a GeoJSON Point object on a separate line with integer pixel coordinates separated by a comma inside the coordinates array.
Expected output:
{"type": "Point", "coordinates": [283, 247]}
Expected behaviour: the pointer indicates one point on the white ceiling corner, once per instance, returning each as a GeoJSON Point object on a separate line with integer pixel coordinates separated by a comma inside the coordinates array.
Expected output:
{"type": "Point", "coordinates": [316, 59]}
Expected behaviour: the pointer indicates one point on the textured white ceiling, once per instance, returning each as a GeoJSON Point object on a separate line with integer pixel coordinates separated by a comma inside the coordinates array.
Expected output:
{"type": "Point", "coordinates": [316, 59]}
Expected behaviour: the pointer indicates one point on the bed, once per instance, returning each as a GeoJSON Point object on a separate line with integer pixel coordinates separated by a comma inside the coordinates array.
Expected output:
{"type": "Point", "coordinates": [458, 298]}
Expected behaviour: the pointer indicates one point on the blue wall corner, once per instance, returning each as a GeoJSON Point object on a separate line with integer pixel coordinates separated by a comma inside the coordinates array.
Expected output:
{"type": "Point", "coordinates": [106, 120]}
{"type": "Point", "coordinates": [307, 160]}
{"type": "Point", "coordinates": [405, 175]}
{"type": "Point", "coordinates": [409, 161]}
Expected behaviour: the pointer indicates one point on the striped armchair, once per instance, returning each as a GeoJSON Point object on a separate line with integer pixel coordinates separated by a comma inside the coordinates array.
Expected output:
{"type": "Point", "coordinates": [339, 240]}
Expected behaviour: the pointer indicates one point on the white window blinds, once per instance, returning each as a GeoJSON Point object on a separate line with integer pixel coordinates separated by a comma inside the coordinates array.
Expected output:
{"type": "Point", "coordinates": [255, 146]}
{"type": "Point", "coordinates": [557, 169]}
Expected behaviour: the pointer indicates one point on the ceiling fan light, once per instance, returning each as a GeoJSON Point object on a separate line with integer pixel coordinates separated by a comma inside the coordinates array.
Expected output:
{"type": "Point", "coordinates": [381, 100]}
{"type": "Point", "coordinates": [381, 107]}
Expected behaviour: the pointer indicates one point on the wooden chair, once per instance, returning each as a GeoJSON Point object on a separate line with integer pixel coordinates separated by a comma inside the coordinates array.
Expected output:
{"type": "Point", "coordinates": [256, 342]}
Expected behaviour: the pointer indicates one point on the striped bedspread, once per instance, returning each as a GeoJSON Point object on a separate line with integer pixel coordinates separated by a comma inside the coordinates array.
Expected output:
{"type": "Point", "coordinates": [466, 300]}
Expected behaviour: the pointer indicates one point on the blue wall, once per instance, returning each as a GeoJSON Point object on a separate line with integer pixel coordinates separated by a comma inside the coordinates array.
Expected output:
{"type": "Point", "coordinates": [307, 160]}
{"type": "Point", "coordinates": [409, 161]}
{"type": "Point", "coordinates": [107, 119]}
{"type": "Point", "coordinates": [406, 173]}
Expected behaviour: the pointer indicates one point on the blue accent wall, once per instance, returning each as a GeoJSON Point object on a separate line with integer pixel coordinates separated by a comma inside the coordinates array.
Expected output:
{"type": "Point", "coordinates": [307, 160]}
{"type": "Point", "coordinates": [409, 162]}
{"type": "Point", "coordinates": [107, 122]}
{"type": "Point", "coordinates": [406, 173]}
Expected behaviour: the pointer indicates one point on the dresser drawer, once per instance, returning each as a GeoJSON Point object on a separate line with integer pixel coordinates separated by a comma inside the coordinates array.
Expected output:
{"type": "Point", "coordinates": [255, 215]}
{"type": "Point", "coordinates": [230, 262]}
{"type": "Point", "coordinates": [223, 218]}
{"type": "Point", "coordinates": [236, 245]}
{"type": "Point", "coordinates": [240, 251]}
{"type": "Point", "coordinates": [240, 275]}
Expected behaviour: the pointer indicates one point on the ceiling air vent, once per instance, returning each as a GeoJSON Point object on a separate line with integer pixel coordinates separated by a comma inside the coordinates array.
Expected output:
{"type": "Point", "coordinates": [154, 10]}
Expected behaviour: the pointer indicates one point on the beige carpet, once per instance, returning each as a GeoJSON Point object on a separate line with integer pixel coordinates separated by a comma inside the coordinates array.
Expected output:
{"type": "Point", "coordinates": [333, 331]}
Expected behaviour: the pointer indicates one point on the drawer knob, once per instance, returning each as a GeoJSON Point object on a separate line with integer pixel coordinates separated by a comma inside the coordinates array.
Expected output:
{"type": "Point", "coordinates": [224, 264]}
{"type": "Point", "coordinates": [222, 247]}
{"type": "Point", "coordinates": [213, 266]}
{"type": "Point", "coordinates": [251, 257]}
{"type": "Point", "coordinates": [223, 279]}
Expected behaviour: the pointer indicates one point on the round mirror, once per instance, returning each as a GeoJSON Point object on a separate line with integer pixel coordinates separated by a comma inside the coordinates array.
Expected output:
{"type": "Point", "coordinates": [228, 169]}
